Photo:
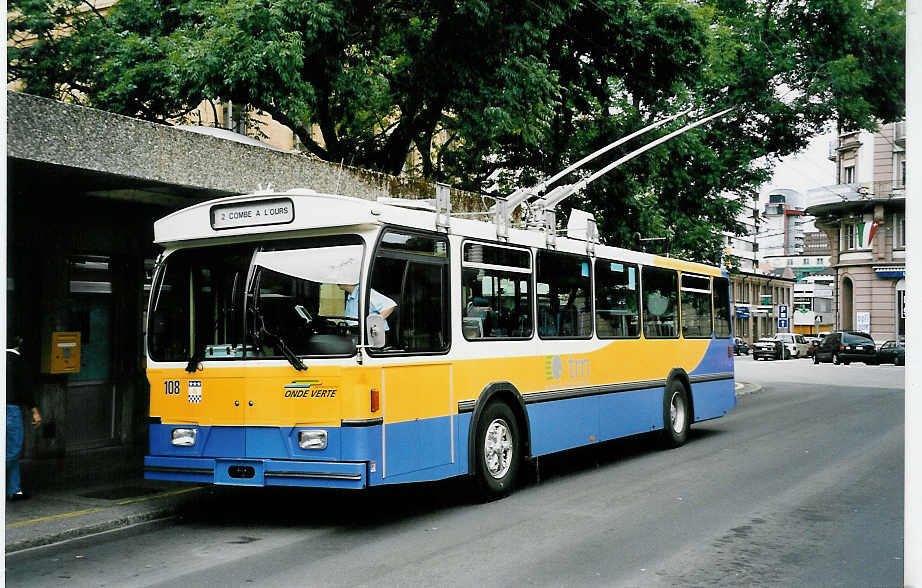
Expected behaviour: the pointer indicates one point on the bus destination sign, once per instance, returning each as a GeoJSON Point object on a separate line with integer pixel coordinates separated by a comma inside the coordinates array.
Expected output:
{"type": "Point", "coordinates": [275, 211]}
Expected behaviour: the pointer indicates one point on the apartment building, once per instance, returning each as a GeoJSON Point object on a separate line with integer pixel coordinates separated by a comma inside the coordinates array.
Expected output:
{"type": "Point", "coordinates": [781, 224]}
{"type": "Point", "coordinates": [863, 215]}
{"type": "Point", "coordinates": [744, 248]}
{"type": "Point", "coordinates": [813, 258]}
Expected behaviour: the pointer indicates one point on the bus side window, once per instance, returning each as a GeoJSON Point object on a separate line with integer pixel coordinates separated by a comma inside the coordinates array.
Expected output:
{"type": "Point", "coordinates": [722, 308]}
{"type": "Point", "coordinates": [660, 302]}
{"type": "Point", "coordinates": [564, 287]}
{"type": "Point", "coordinates": [496, 296]}
{"type": "Point", "coordinates": [411, 269]}
{"type": "Point", "coordinates": [696, 306]}
{"type": "Point", "coordinates": [617, 299]}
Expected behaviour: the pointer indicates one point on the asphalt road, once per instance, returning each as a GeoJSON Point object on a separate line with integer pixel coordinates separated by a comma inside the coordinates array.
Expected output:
{"type": "Point", "coordinates": [800, 485]}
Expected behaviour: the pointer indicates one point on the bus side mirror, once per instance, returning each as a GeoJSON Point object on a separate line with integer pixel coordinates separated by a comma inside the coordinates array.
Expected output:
{"type": "Point", "coordinates": [375, 330]}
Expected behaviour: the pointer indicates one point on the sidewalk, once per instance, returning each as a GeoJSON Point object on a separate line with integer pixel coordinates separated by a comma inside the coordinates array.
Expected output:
{"type": "Point", "coordinates": [57, 515]}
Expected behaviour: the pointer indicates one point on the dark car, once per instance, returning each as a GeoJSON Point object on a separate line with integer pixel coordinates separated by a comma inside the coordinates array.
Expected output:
{"type": "Point", "coordinates": [892, 352]}
{"type": "Point", "coordinates": [767, 348]}
{"type": "Point", "coordinates": [844, 347]}
{"type": "Point", "coordinates": [740, 347]}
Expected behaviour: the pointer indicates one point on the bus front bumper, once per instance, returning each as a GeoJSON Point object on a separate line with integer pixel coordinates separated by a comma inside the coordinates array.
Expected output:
{"type": "Point", "coordinates": [257, 472]}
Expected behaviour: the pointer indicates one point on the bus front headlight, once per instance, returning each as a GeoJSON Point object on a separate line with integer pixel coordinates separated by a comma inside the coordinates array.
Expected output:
{"type": "Point", "coordinates": [183, 437]}
{"type": "Point", "coordinates": [312, 439]}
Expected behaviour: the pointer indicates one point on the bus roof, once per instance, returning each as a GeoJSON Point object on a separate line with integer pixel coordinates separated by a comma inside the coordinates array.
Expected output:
{"type": "Point", "coordinates": [273, 212]}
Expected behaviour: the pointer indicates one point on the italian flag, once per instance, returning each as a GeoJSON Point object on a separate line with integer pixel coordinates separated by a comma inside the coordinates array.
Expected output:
{"type": "Point", "coordinates": [866, 232]}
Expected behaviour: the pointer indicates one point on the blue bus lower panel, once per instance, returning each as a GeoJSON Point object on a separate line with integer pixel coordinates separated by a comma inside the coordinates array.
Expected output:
{"type": "Point", "coordinates": [565, 424]}
{"type": "Point", "coordinates": [713, 399]}
{"type": "Point", "coordinates": [355, 457]}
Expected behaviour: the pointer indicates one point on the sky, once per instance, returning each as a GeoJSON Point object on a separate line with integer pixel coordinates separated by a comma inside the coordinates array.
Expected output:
{"type": "Point", "coordinates": [808, 169]}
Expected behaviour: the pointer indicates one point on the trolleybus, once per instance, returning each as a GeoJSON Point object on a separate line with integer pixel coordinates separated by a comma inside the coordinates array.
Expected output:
{"type": "Point", "coordinates": [305, 339]}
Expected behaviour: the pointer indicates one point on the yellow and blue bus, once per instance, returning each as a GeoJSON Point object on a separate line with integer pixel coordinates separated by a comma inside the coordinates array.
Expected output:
{"type": "Point", "coordinates": [306, 339]}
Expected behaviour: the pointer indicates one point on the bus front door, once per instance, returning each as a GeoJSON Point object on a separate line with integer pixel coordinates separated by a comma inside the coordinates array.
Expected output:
{"type": "Point", "coordinates": [418, 421]}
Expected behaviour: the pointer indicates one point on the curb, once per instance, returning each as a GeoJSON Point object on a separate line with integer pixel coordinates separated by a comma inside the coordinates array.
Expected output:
{"type": "Point", "coordinates": [57, 526]}
{"type": "Point", "coordinates": [746, 388]}
{"type": "Point", "coordinates": [85, 531]}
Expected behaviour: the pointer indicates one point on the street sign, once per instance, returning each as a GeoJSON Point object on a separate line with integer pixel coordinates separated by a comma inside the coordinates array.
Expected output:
{"type": "Point", "coordinates": [782, 323]}
{"type": "Point", "coordinates": [782, 311]}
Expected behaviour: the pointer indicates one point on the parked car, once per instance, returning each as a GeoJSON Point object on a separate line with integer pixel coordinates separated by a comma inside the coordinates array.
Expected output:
{"type": "Point", "coordinates": [740, 347]}
{"type": "Point", "coordinates": [767, 348]}
{"type": "Point", "coordinates": [812, 344]}
{"type": "Point", "coordinates": [892, 352]}
{"type": "Point", "coordinates": [794, 344]}
{"type": "Point", "coordinates": [844, 347]}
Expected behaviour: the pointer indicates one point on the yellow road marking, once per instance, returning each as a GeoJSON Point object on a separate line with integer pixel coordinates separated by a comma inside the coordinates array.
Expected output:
{"type": "Point", "coordinates": [78, 513]}
{"type": "Point", "coordinates": [160, 495]}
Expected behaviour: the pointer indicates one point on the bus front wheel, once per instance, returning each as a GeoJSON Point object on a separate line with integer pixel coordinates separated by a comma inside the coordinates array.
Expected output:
{"type": "Point", "coordinates": [499, 454]}
{"type": "Point", "coordinates": [676, 414]}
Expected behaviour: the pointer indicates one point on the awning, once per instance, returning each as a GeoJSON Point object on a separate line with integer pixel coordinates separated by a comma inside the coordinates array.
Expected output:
{"type": "Point", "coordinates": [890, 271]}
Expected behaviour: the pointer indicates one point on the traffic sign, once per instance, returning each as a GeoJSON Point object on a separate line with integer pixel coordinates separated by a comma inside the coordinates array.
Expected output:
{"type": "Point", "coordinates": [782, 323]}
{"type": "Point", "coordinates": [782, 311]}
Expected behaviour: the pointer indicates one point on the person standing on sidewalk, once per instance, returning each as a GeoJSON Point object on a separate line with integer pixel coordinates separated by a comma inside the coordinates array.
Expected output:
{"type": "Point", "coordinates": [19, 396]}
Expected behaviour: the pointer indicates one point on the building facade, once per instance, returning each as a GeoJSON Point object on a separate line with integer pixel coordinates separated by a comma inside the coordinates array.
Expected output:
{"type": "Point", "coordinates": [781, 224]}
{"type": "Point", "coordinates": [814, 304]}
{"type": "Point", "coordinates": [864, 218]}
{"type": "Point", "coordinates": [801, 265]}
{"type": "Point", "coordinates": [744, 249]}
{"type": "Point", "coordinates": [757, 301]}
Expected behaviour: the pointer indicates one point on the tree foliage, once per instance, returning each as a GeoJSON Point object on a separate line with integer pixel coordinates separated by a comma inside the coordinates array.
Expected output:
{"type": "Point", "coordinates": [495, 94]}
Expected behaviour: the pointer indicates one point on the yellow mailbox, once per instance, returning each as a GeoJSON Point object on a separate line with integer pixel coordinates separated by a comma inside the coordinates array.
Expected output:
{"type": "Point", "coordinates": [62, 356]}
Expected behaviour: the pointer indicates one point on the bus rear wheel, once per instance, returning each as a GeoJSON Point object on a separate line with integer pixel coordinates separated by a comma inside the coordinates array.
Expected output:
{"type": "Point", "coordinates": [676, 414]}
{"type": "Point", "coordinates": [499, 453]}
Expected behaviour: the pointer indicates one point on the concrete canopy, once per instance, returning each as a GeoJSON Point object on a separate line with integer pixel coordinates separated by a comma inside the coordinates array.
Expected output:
{"type": "Point", "coordinates": [107, 155]}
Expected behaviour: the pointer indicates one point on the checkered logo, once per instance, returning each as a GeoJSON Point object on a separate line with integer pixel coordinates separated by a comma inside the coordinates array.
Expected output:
{"type": "Point", "coordinates": [195, 391]}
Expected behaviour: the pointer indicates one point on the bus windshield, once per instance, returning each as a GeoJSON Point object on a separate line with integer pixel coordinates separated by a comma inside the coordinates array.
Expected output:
{"type": "Point", "coordinates": [303, 298]}
{"type": "Point", "coordinates": [279, 299]}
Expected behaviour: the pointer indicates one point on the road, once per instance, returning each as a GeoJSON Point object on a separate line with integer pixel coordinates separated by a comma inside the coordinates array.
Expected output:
{"type": "Point", "coordinates": [800, 485]}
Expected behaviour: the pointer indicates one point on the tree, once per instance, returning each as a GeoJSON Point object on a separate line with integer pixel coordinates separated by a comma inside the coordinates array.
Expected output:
{"type": "Point", "coordinates": [377, 78]}
{"type": "Point", "coordinates": [789, 68]}
{"type": "Point", "coordinates": [495, 93]}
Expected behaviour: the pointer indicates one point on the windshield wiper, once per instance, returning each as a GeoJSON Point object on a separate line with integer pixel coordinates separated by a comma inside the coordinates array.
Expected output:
{"type": "Point", "coordinates": [293, 359]}
{"type": "Point", "coordinates": [196, 358]}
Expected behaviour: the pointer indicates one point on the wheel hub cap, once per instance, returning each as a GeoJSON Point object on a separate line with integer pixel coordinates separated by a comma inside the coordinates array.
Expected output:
{"type": "Point", "coordinates": [677, 413]}
{"type": "Point", "coordinates": [497, 448]}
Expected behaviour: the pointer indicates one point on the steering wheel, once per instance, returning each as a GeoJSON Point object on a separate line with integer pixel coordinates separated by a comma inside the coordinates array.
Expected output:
{"type": "Point", "coordinates": [337, 325]}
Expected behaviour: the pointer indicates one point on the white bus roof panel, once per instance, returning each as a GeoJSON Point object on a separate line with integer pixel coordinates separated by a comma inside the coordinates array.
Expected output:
{"type": "Point", "coordinates": [263, 212]}
{"type": "Point", "coordinates": [295, 210]}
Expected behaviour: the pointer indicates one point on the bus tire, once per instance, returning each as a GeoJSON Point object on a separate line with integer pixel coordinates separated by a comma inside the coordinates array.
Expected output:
{"type": "Point", "coordinates": [676, 414]}
{"type": "Point", "coordinates": [498, 449]}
